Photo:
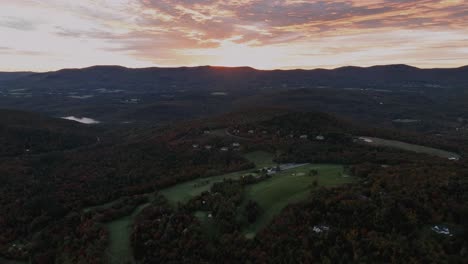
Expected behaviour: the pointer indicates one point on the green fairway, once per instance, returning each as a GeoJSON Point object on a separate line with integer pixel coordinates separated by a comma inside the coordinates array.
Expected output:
{"type": "Point", "coordinates": [119, 249]}
{"type": "Point", "coordinates": [288, 187]}
{"type": "Point", "coordinates": [183, 192]}
{"type": "Point", "coordinates": [408, 147]}
{"type": "Point", "coordinates": [207, 224]}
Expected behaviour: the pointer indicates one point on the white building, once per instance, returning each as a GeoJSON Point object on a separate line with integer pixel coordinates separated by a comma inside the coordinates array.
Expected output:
{"type": "Point", "coordinates": [320, 137]}
{"type": "Point", "coordinates": [442, 230]}
{"type": "Point", "coordinates": [320, 228]}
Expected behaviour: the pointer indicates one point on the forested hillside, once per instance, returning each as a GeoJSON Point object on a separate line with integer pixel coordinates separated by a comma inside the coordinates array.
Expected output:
{"type": "Point", "coordinates": [27, 133]}
{"type": "Point", "coordinates": [65, 205]}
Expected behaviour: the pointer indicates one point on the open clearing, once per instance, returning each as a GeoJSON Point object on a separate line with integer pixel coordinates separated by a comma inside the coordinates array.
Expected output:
{"type": "Point", "coordinates": [119, 249]}
{"type": "Point", "coordinates": [120, 230]}
{"type": "Point", "coordinates": [288, 187]}
{"type": "Point", "coordinates": [408, 147]}
{"type": "Point", "coordinates": [183, 192]}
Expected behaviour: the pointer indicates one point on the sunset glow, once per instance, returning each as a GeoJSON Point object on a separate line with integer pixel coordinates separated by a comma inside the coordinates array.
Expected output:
{"type": "Point", "coordinates": [53, 34]}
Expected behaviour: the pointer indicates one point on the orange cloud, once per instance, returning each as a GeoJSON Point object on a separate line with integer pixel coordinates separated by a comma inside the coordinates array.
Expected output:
{"type": "Point", "coordinates": [264, 33]}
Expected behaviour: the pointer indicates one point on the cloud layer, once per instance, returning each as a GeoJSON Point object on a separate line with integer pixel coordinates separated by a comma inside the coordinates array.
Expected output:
{"type": "Point", "coordinates": [52, 34]}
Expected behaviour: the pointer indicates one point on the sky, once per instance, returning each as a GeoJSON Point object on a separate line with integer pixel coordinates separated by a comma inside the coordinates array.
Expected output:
{"type": "Point", "coordinates": [266, 34]}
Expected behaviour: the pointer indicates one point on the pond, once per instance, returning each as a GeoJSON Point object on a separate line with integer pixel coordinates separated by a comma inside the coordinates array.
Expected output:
{"type": "Point", "coordinates": [83, 120]}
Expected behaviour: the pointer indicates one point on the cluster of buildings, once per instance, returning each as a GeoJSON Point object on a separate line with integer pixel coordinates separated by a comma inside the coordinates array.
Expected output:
{"type": "Point", "coordinates": [235, 146]}
{"type": "Point", "coordinates": [270, 170]}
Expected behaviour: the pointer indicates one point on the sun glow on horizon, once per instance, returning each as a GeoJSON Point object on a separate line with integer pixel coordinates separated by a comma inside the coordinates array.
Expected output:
{"type": "Point", "coordinates": [264, 34]}
{"type": "Point", "coordinates": [231, 54]}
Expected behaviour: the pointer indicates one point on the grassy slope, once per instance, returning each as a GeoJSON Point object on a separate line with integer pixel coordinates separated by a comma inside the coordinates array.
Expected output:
{"type": "Point", "coordinates": [410, 147]}
{"type": "Point", "coordinates": [187, 190]}
{"type": "Point", "coordinates": [289, 187]}
{"type": "Point", "coordinates": [120, 230]}
{"type": "Point", "coordinates": [273, 195]}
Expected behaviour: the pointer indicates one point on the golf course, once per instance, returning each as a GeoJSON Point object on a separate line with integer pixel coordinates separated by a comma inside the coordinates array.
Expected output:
{"type": "Point", "coordinates": [287, 186]}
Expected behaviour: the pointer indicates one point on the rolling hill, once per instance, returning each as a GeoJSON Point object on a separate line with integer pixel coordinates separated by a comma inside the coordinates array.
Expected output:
{"type": "Point", "coordinates": [29, 133]}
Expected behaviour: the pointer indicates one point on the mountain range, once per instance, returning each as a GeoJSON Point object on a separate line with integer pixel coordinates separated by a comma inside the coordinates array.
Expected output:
{"type": "Point", "coordinates": [210, 77]}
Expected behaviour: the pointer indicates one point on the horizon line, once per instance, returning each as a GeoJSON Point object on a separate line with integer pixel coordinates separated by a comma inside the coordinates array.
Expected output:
{"type": "Point", "coordinates": [238, 67]}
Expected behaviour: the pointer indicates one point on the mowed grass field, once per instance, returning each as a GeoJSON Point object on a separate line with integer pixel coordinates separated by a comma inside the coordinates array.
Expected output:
{"type": "Point", "coordinates": [379, 142]}
{"type": "Point", "coordinates": [183, 192]}
{"type": "Point", "coordinates": [283, 188]}
{"type": "Point", "coordinates": [288, 187]}
{"type": "Point", "coordinates": [120, 230]}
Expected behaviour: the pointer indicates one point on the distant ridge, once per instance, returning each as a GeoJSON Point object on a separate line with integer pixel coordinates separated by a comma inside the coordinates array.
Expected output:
{"type": "Point", "coordinates": [6, 76]}
{"type": "Point", "coordinates": [213, 78]}
{"type": "Point", "coordinates": [115, 67]}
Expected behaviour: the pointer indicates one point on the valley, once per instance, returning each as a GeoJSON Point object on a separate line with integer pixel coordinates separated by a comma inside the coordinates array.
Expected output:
{"type": "Point", "coordinates": [285, 187]}
{"type": "Point", "coordinates": [119, 96]}
{"type": "Point", "coordinates": [116, 176]}
{"type": "Point", "coordinates": [233, 132]}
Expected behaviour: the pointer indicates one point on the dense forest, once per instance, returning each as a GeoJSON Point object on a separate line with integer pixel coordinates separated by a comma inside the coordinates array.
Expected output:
{"type": "Point", "coordinates": [27, 133]}
{"type": "Point", "coordinates": [55, 203]}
